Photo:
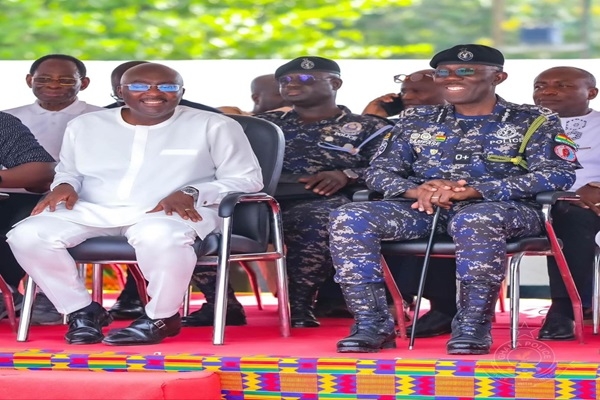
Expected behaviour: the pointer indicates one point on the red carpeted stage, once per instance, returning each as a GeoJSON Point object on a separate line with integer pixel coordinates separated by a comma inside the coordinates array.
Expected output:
{"type": "Point", "coordinates": [256, 363]}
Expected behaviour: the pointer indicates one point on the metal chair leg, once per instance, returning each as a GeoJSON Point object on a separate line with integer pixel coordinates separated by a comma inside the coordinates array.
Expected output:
{"type": "Point", "coordinates": [396, 297]}
{"type": "Point", "coordinates": [567, 278]}
{"type": "Point", "coordinates": [9, 304]}
{"type": "Point", "coordinates": [514, 282]}
{"type": "Point", "coordinates": [253, 283]}
{"type": "Point", "coordinates": [222, 282]}
{"type": "Point", "coordinates": [502, 294]}
{"type": "Point", "coordinates": [26, 309]}
{"type": "Point", "coordinates": [120, 273]}
{"type": "Point", "coordinates": [140, 282]}
{"type": "Point", "coordinates": [283, 302]}
{"type": "Point", "coordinates": [97, 283]}
{"type": "Point", "coordinates": [186, 301]}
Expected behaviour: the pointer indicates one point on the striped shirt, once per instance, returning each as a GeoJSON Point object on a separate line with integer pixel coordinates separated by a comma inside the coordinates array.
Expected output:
{"type": "Point", "coordinates": [17, 143]}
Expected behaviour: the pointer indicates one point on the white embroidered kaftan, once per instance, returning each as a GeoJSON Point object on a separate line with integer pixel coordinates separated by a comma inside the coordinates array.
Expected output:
{"type": "Point", "coordinates": [121, 171]}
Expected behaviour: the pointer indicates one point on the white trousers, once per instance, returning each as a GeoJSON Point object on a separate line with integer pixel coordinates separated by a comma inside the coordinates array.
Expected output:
{"type": "Point", "coordinates": [163, 248]}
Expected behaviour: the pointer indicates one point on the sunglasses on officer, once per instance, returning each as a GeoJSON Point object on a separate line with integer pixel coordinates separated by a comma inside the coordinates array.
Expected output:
{"type": "Point", "coordinates": [144, 87]}
{"type": "Point", "coordinates": [302, 79]}
{"type": "Point", "coordinates": [461, 72]}
{"type": "Point", "coordinates": [416, 77]}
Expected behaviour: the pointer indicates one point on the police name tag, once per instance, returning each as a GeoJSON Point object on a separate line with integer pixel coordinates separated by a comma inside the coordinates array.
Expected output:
{"type": "Point", "coordinates": [463, 157]}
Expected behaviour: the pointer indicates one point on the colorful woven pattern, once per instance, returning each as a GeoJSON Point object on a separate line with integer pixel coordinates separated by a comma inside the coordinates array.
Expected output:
{"type": "Point", "coordinates": [337, 378]}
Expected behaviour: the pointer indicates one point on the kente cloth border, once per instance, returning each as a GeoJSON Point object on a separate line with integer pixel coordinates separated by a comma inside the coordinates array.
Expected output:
{"type": "Point", "coordinates": [263, 377]}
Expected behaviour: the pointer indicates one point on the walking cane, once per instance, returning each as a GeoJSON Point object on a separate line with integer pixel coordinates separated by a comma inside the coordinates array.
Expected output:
{"type": "Point", "coordinates": [436, 217]}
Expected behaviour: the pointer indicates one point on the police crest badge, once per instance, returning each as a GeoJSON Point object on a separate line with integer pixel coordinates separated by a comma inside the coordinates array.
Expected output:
{"type": "Point", "coordinates": [352, 128]}
{"type": "Point", "coordinates": [307, 64]}
{"type": "Point", "coordinates": [507, 131]}
{"type": "Point", "coordinates": [465, 55]}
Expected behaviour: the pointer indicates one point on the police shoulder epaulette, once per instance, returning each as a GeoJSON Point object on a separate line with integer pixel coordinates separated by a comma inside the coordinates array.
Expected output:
{"type": "Point", "coordinates": [420, 111]}
{"type": "Point", "coordinates": [537, 110]}
{"type": "Point", "coordinates": [378, 118]}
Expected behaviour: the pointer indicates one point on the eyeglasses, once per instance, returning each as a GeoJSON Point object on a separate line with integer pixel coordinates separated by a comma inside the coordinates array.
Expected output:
{"type": "Point", "coordinates": [412, 77]}
{"type": "Point", "coordinates": [444, 72]}
{"type": "Point", "coordinates": [144, 87]}
{"type": "Point", "coordinates": [303, 79]}
{"type": "Point", "coordinates": [46, 80]}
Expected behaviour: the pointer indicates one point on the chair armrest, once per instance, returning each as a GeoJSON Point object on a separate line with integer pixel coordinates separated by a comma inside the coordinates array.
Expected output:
{"type": "Point", "coordinates": [230, 200]}
{"type": "Point", "coordinates": [366, 195]}
{"type": "Point", "coordinates": [542, 198]}
{"type": "Point", "coordinates": [550, 198]}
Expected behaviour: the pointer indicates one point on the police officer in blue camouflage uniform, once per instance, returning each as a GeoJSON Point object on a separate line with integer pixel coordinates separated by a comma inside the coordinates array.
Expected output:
{"type": "Point", "coordinates": [327, 149]}
{"type": "Point", "coordinates": [469, 157]}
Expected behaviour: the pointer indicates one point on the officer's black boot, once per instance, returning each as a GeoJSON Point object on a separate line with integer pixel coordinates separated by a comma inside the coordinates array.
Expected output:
{"type": "Point", "coordinates": [472, 325]}
{"type": "Point", "coordinates": [373, 327]}
{"type": "Point", "coordinates": [302, 298]}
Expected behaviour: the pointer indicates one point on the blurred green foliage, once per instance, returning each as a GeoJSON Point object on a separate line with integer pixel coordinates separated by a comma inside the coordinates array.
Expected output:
{"type": "Point", "coordinates": [257, 29]}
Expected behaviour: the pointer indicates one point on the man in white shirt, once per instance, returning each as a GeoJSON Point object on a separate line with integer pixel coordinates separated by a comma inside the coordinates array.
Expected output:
{"type": "Point", "coordinates": [128, 304]}
{"type": "Point", "coordinates": [55, 80]}
{"type": "Point", "coordinates": [568, 91]}
{"type": "Point", "coordinates": [150, 171]}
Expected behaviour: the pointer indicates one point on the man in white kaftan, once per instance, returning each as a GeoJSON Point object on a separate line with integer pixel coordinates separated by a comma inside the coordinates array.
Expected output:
{"type": "Point", "coordinates": [153, 172]}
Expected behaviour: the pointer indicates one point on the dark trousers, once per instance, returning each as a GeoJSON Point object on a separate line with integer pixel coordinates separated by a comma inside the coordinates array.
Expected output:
{"type": "Point", "coordinates": [12, 210]}
{"type": "Point", "coordinates": [440, 283]}
{"type": "Point", "coordinates": [576, 227]}
{"type": "Point", "coordinates": [130, 289]}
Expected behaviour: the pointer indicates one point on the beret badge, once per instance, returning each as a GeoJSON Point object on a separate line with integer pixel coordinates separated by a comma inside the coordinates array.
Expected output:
{"type": "Point", "coordinates": [465, 55]}
{"type": "Point", "coordinates": [307, 64]}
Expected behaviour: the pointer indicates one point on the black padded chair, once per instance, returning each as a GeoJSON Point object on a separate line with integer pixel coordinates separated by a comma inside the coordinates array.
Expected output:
{"type": "Point", "coordinates": [443, 247]}
{"type": "Point", "coordinates": [250, 222]}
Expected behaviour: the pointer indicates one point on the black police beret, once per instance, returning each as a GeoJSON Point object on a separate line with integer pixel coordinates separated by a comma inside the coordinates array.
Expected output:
{"type": "Point", "coordinates": [308, 64]}
{"type": "Point", "coordinates": [468, 54]}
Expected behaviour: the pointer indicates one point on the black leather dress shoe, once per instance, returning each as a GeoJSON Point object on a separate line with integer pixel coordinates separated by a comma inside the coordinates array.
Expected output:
{"type": "Point", "coordinates": [432, 323]}
{"type": "Point", "coordinates": [304, 318]}
{"type": "Point", "coordinates": [85, 325]}
{"type": "Point", "coordinates": [557, 327]}
{"type": "Point", "coordinates": [144, 331]}
{"type": "Point", "coordinates": [205, 316]}
{"type": "Point", "coordinates": [127, 307]}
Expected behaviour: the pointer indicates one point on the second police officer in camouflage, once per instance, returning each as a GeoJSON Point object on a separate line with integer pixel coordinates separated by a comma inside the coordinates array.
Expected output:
{"type": "Point", "coordinates": [463, 157]}
{"type": "Point", "coordinates": [326, 149]}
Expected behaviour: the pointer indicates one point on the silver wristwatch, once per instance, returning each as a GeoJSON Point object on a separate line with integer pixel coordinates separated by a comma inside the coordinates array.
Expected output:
{"type": "Point", "coordinates": [191, 191]}
{"type": "Point", "coordinates": [350, 174]}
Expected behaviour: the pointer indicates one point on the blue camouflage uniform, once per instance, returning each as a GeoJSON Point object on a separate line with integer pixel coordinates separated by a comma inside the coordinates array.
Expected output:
{"type": "Point", "coordinates": [431, 142]}
{"type": "Point", "coordinates": [325, 145]}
